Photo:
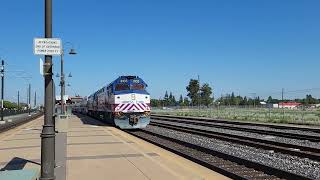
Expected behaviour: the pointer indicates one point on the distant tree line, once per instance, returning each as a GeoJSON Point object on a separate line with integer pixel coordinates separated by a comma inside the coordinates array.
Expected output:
{"type": "Point", "coordinates": [170, 100]}
{"type": "Point", "coordinates": [197, 96]}
{"type": "Point", "coordinates": [232, 100]}
{"type": "Point", "coordinates": [203, 96]}
{"type": "Point", "coordinates": [12, 105]}
{"type": "Point", "coordinates": [308, 100]}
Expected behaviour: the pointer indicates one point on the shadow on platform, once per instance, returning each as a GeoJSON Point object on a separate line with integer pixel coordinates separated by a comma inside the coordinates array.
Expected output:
{"type": "Point", "coordinates": [17, 163]}
{"type": "Point", "coordinates": [91, 121]}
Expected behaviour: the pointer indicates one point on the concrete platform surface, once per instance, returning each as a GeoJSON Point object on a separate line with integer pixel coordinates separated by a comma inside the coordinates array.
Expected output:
{"type": "Point", "coordinates": [97, 151]}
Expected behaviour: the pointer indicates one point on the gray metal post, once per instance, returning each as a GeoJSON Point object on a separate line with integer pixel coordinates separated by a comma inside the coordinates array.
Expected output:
{"type": "Point", "coordinates": [48, 131]}
{"type": "Point", "coordinates": [62, 84]}
{"type": "Point", "coordinates": [199, 93]}
{"type": "Point", "coordinates": [18, 100]}
{"type": "Point", "coordinates": [35, 98]}
{"type": "Point", "coordinates": [29, 102]}
{"type": "Point", "coordinates": [282, 103]}
{"type": "Point", "coordinates": [2, 88]}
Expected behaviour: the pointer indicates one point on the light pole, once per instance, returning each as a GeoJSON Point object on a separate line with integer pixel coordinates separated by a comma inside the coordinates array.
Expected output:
{"type": "Point", "coordinates": [29, 100]}
{"type": "Point", "coordinates": [62, 78]}
{"type": "Point", "coordinates": [48, 131]}
{"type": "Point", "coordinates": [35, 99]}
{"type": "Point", "coordinates": [18, 101]}
{"type": "Point", "coordinates": [2, 87]}
{"type": "Point", "coordinates": [199, 93]}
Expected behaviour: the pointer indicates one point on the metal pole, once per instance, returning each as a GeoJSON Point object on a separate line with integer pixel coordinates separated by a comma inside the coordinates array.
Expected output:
{"type": "Point", "coordinates": [282, 103]}
{"type": "Point", "coordinates": [35, 98]}
{"type": "Point", "coordinates": [48, 131]}
{"type": "Point", "coordinates": [18, 100]}
{"type": "Point", "coordinates": [199, 93]}
{"type": "Point", "coordinates": [62, 84]}
{"type": "Point", "coordinates": [29, 102]}
{"type": "Point", "coordinates": [2, 88]}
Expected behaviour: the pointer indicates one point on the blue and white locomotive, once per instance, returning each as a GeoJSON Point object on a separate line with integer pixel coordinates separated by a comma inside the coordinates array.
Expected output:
{"type": "Point", "coordinates": [125, 103]}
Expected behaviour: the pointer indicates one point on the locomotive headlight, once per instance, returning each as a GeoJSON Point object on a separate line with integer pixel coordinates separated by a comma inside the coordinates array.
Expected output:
{"type": "Point", "coordinates": [118, 114]}
{"type": "Point", "coordinates": [147, 113]}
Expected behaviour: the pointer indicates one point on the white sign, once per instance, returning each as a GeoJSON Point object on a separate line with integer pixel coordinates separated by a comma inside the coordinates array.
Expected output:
{"type": "Point", "coordinates": [47, 46]}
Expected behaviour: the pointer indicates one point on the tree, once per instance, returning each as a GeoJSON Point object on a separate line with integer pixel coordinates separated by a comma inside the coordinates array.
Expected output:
{"type": "Point", "coordinates": [155, 102]}
{"type": "Point", "coordinates": [186, 102]}
{"type": "Point", "coordinates": [238, 100]}
{"type": "Point", "coordinates": [244, 101]}
{"type": "Point", "coordinates": [170, 96]}
{"type": "Point", "coordinates": [173, 101]}
{"type": "Point", "coordinates": [269, 99]}
{"type": "Point", "coordinates": [206, 92]}
{"type": "Point", "coordinates": [180, 100]}
{"type": "Point", "coordinates": [193, 91]}
{"type": "Point", "coordinates": [310, 100]}
{"type": "Point", "coordinates": [232, 99]}
{"type": "Point", "coordinates": [9, 105]}
{"type": "Point", "coordinates": [166, 99]}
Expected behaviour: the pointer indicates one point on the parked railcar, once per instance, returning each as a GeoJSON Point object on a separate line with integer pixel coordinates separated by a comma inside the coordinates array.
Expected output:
{"type": "Point", "coordinates": [125, 103]}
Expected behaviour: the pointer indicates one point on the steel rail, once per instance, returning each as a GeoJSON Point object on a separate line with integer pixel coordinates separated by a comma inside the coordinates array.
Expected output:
{"type": "Point", "coordinates": [213, 123]}
{"type": "Point", "coordinates": [236, 168]}
{"type": "Point", "coordinates": [295, 150]}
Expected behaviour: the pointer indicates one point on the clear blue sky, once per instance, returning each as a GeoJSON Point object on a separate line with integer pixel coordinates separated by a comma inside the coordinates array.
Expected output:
{"type": "Point", "coordinates": [242, 46]}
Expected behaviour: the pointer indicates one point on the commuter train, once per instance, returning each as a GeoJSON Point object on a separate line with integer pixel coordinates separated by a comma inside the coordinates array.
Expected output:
{"type": "Point", "coordinates": [125, 103]}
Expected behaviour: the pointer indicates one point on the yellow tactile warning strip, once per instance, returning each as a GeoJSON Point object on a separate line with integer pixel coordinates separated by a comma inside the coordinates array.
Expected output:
{"type": "Point", "coordinates": [145, 162]}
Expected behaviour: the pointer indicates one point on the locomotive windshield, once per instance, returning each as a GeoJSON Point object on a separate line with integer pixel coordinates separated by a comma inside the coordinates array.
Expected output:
{"type": "Point", "coordinates": [128, 84]}
{"type": "Point", "coordinates": [137, 87]}
{"type": "Point", "coordinates": [122, 87]}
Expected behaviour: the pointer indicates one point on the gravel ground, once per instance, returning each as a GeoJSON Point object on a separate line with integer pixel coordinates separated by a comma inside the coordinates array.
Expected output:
{"type": "Point", "coordinates": [302, 166]}
{"type": "Point", "coordinates": [249, 134]}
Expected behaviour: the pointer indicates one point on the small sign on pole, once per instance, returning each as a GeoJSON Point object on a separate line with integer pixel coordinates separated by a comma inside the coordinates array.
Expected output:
{"type": "Point", "coordinates": [47, 46]}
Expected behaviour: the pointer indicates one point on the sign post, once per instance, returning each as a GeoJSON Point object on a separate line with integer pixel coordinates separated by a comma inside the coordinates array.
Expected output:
{"type": "Point", "coordinates": [48, 47]}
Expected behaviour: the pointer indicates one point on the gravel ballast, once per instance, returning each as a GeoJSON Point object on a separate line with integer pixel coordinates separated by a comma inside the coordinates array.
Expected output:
{"type": "Point", "coordinates": [302, 166]}
{"type": "Point", "coordinates": [249, 134]}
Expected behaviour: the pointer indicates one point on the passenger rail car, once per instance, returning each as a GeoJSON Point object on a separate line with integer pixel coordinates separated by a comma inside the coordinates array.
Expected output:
{"type": "Point", "coordinates": [125, 103]}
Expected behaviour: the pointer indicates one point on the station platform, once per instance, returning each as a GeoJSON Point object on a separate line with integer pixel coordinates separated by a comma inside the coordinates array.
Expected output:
{"type": "Point", "coordinates": [98, 151]}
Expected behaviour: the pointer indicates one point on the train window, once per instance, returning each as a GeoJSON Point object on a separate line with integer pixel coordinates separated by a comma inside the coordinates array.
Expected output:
{"type": "Point", "coordinates": [137, 87]}
{"type": "Point", "coordinates": [122, 87]}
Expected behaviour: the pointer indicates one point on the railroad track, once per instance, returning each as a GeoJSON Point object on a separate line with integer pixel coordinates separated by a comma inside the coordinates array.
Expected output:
{"type": "Point", "coordinates": [18, 122]}
{"type": "Point", "coordinates": [243, 126]}
{"type": "Point", "coordinates": [291, 149]}
{"type": "Point", "coordinates": [228, 165]}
